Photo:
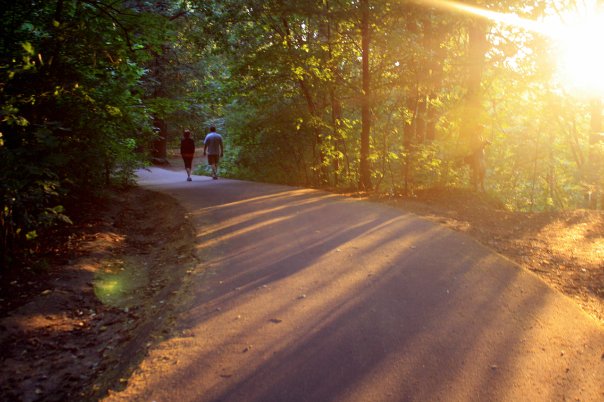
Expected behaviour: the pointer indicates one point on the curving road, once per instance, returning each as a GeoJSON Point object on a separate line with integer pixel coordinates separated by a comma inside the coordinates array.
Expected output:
{"type": "Point", "coordinates": [302, 295]}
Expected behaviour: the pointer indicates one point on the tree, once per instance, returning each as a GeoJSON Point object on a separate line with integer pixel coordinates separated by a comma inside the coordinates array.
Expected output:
{"type": "Point", "coordinates": [473, 113]}
{"type": "Point", "coordinates": [72, 114]}
{"type": "Point", "coordinates": [364, 172]}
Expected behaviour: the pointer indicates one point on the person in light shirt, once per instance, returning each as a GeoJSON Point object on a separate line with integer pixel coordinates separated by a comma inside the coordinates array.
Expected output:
{"type": "Point", "coordinates": [212, 145]}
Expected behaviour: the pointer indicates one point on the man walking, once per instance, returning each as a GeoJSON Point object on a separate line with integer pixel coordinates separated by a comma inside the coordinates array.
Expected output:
{"type": "Point", "coordinates": [215, 150]}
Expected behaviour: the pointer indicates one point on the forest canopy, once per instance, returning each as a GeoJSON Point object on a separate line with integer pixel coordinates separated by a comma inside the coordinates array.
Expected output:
{"type": "Point", "coordinates": [386, 96]}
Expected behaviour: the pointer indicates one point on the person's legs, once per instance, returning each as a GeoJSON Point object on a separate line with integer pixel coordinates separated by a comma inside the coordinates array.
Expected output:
{"type": "Point", "coordinates": [213, 162]}
{"type": "Point", "coordinates": [188, 166]}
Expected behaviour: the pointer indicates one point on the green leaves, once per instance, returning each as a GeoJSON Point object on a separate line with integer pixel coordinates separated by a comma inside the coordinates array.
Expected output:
{"type": "Point", "coordinates": [28, 47]}
{"type": "Point", "coordinates": [72, 109]}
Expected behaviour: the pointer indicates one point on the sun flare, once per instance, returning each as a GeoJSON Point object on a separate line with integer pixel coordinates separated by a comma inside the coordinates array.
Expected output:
{"type": "Point", "coordinates": [576, 36]}
{"type": "Point", "coordinates": [580, 54]}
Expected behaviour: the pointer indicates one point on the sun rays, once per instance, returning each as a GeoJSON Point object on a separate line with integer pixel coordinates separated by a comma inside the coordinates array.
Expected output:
{"type": "Point", "coordinates": [575, 37]}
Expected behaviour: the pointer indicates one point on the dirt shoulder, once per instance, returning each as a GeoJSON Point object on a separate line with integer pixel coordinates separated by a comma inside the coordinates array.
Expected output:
{"type": "Point", "coordinates": [70, 332]}
{"type": "Point", "coordinates": [73, 331]}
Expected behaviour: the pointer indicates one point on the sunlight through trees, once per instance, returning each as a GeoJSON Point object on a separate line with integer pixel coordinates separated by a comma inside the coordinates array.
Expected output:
{"type": "Point", "coordinates": [388, 96]}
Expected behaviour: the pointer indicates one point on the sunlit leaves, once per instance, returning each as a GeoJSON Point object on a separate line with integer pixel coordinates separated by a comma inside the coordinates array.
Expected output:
{"type": "Point", "coordinates": [113, 111]}
{"type": "Point", "coordinates": [28, 47]}
{"type": "Point", "coordinates": [305, 62]}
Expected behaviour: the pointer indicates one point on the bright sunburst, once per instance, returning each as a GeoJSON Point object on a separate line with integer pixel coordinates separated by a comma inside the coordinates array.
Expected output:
{"type": "Point", "coordinates": [580, 52]}
{"type": "Point", "coordinates": [577, 37]}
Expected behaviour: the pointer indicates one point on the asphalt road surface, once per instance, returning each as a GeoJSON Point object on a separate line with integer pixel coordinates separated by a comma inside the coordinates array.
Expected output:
{"type": "Point", "coordinates": [302, 295]}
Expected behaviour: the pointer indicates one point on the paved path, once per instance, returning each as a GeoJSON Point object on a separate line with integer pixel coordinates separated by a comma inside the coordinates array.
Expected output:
{"type": "Point", "coordinates": [306, 296]}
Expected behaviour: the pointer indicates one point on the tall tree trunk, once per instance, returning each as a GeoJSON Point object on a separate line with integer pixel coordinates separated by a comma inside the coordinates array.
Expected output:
{"type": "Point", "coordinates": [420, 120]}
{"type": "Point", "coordinates": [160, 144]}
{"type": "Point", "coordinates": [336, 105]}
{"type": "Point", "coordinates": [431, 120]}
{"type": "Point", "coordinates": [435, 73]}
{"type": "Point", "coordinates": [336, 118]}
{"type": "Point", "coordinates": [312, 110]}
{"type": "Point", "coordinates": [592, 164]}
{"type": "Point", "coordinates": [408, 143]}
{"type": "Point", "coordinates": [364, 171]}
{"type": "Point", "coordinates": [470, 125]}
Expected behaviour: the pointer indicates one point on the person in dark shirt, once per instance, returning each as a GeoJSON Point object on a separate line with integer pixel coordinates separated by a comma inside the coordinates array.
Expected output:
{"type": "Point", "coordinates": [187, 151]}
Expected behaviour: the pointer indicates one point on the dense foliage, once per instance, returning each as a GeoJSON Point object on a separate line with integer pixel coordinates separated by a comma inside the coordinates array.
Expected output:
{"type": "Point", "coordinates": [441, 83]}
{"type": "Point", "coordinates": [381, 95]}
{"type": "Point", "coordinates": [74, 80]}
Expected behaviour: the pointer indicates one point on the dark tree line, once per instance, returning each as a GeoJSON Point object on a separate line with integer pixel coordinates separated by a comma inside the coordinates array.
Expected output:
{"type": "Point", "coordinates": [80, 90]}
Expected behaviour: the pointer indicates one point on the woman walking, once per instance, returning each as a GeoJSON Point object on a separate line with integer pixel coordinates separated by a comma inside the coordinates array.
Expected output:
{"type": "Point", "coordinates": [187, 151]}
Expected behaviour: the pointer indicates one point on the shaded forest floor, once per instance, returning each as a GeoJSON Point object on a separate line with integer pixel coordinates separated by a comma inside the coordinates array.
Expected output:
{"type": "Point", "coordinates": [72, 330]}
{"type": "Point", "coordinates": [75, 326]}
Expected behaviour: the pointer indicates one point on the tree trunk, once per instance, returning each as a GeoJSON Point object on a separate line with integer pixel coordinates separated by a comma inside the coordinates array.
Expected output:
{"type": "Point", "coordinates": [336, 118]}
{"type": "Point", "coordinates": [312, 110]}
{"type": "Point", "coordinates": [364, 171]}
{"type": "Point", "coordinates": [471, 118]}
{"type": "Point", "coordinates": [420, 120]}
{"type": "Point", "coordinates": [592, 164]}
{"type": "Point", "coordinates": [336, 105]}
{"type": "Point", "coordinates": [408, 143]}
{"type": "Point", "coordinates": [160, 144]}
{"type": "Point", "coordinates": [435, 73]}
{"type": "Point", "coordinates": [431, 120]}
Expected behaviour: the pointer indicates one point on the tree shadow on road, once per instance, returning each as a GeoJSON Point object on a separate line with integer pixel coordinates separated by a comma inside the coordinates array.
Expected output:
{"type": "Point", "coordinates": [304, 296]}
